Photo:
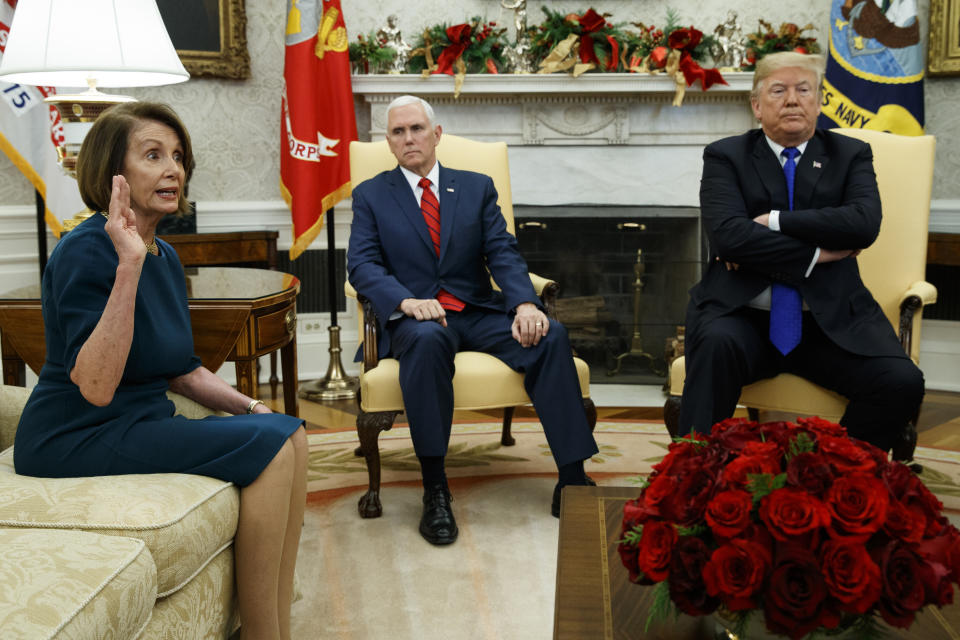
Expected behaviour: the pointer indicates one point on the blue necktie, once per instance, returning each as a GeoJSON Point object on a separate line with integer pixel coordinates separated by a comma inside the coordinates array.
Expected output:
{"type": "Point", "coordinates": [786, 305]}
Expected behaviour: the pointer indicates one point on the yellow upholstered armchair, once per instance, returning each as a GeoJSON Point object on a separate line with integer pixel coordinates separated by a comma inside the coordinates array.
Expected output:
{"type": "Point", "coordinates": [893, 269]}
{"type": "Point", "coordinates": [481, 380]}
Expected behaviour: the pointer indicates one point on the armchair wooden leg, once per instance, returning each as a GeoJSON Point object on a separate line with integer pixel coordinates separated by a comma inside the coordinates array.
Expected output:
{"type": "Point", "coordinates": [369, 426]}
{"type": "Point", "coordinates": [671, 415]}
{"type": "Point", "coordinates": [591, 411]}
{"type": "Point", "coordinates": [506, 439]}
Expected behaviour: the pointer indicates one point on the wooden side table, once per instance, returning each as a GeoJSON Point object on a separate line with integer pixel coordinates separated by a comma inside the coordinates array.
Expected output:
{"type": "Point", "coordinates": [253, 248]}
{"type": "Point", "coordinates": [237, 314]}
{"type": "Point", "coordinates": [236, 248]}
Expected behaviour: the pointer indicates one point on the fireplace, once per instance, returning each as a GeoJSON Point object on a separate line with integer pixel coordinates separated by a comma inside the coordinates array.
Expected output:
{"type": "Point", "coordinates": [598, 254]}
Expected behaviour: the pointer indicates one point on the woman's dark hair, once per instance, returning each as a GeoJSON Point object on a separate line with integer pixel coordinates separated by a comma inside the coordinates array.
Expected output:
{"type": "Point", "coordinates": [105, 147]}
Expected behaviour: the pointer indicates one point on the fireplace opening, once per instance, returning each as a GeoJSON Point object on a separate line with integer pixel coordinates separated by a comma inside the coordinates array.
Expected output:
{"type": "Point", "coordinates": [624, 274]}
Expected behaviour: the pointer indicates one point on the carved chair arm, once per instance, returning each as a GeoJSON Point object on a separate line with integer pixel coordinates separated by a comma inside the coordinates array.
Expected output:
{"type": "Point", "coordinates": [548, 290]}
{"type": "Point", "coordinates": [916, 297]}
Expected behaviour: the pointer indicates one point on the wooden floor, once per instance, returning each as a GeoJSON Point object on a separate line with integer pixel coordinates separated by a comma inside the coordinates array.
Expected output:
{"type": "Point", "coordinates": [939, 424]}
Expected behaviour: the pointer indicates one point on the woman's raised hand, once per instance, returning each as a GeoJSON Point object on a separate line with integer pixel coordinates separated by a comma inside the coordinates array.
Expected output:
{"type": "Point", "coordinates": [121, 224]}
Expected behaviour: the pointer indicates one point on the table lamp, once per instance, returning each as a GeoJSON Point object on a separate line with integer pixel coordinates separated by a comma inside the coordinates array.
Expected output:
{"type": "Point", "coordinates": [94, 43]}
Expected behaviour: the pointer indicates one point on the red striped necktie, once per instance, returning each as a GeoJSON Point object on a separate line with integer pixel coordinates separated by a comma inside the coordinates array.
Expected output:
{"type": "Point", "coordinates": [430, 209]}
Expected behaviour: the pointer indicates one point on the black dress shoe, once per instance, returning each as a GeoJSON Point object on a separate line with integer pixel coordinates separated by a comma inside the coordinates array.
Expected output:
{"type": "Point", "coordinates": [555, 505]}
{"type": "Point", "coordinates": [437, 525]}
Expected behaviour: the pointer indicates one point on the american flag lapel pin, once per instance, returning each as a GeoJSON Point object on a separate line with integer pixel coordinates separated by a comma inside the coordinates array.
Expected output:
{"type": "Point", "coordinates": [816, 164]}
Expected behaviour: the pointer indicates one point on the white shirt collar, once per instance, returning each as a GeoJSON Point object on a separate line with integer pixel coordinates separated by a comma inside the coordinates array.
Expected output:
{"type": "Point", "coordinates": [778, 148]}
{"type": "Point", "coordinates": [414, 180]}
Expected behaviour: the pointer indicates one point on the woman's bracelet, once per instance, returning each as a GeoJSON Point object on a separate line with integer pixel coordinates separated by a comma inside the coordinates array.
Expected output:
{"type": "Point", "coordinates": [253, 403]}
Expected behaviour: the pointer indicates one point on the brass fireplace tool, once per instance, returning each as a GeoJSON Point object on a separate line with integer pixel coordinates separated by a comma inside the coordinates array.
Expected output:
{"type": "Point", "coordinates": [636, 343]}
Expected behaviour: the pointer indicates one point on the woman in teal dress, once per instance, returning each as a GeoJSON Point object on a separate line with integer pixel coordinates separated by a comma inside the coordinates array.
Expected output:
{"type": "Point", "coordinates": [118, 337]}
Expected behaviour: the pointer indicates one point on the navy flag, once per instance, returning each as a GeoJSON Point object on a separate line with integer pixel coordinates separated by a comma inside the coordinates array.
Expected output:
{"type": "Point", "coordinates": [874, 77]}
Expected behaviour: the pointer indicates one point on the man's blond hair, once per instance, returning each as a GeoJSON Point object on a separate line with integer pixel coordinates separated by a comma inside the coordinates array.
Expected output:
{"type": "Point", "coordinates": [776, 61]}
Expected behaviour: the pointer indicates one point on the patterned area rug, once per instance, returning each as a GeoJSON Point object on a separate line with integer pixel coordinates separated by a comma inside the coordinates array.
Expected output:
{"type": "Point", "coordinates": [628, 450]}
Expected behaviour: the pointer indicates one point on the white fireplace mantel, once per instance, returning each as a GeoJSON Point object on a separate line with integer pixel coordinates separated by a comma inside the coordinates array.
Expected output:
{"type": "Point", "coordinates": [538, 83]}
{"type": "Point", "coordinates": [608, 139]}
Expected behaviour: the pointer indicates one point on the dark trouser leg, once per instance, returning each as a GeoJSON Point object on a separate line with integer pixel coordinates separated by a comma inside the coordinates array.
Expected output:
{"type": "Point", "coordinates": [884, 392]}
{"type": "Point", "coordinates": [426, 351]}
{"type": "Point", "coordinates": [722, 356]}
{"type": "Point", "coordinates": [550, 379]}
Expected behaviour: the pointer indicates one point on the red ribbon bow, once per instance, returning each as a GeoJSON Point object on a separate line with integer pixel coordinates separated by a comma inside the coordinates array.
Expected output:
{"type": "Point", "coordinates": [459, 36]}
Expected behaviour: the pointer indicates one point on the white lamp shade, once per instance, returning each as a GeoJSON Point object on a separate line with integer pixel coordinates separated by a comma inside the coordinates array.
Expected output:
{"type": "Point", "coordinates": [65, 43]}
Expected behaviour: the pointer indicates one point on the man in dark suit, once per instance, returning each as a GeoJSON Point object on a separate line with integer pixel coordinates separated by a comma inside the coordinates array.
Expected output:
{"type": "Point", "coordinates": [422, 241]}
{"type": "Point", "coordinates": [782, 291]}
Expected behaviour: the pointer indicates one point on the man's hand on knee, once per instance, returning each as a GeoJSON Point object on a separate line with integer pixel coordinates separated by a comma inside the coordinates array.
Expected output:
{"type": "Point", "coordinates": [421, 310]}
{"type": "Point", "coordinates": [529, 324]}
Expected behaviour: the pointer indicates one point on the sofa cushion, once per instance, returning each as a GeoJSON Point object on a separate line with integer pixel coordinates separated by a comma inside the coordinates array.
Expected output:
{"type": "Point", "coordinates": [72, 584]}
{"type": "Point", "coordinates": [185, 520]}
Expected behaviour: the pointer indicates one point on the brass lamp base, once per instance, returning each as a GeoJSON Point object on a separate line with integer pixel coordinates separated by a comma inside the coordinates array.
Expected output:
{"type": "Point", "coordinates": [336, 385]}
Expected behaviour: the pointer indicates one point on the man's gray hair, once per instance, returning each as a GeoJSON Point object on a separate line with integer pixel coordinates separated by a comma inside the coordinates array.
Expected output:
{"type": "Point", "coordinates": [776, 61]}
{"type": "Point", "coordinates": [402, 101]}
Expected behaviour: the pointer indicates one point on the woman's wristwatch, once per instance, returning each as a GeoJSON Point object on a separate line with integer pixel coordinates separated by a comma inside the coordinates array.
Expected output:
{"type": "Point", "coordinates": [253, 403]}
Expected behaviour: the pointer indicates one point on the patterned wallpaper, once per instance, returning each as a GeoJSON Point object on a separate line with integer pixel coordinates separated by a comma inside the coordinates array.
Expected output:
{"type": "Point", "coordinates": [235, 124]}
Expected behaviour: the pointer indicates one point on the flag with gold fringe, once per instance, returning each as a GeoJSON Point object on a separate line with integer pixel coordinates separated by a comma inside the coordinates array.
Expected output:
{"type": "Point", "coordinates": [874, 77]}
{"type": "Point", "coordinates": [30, 132]}
{"type": "Point", "coordinates": [317, 122]}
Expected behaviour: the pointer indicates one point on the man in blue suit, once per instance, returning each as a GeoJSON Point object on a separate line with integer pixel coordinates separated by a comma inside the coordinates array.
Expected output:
{"type": "Point", "coordinates": [422, 241]}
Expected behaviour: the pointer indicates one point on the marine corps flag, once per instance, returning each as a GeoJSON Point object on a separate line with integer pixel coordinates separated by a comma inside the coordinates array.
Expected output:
{"type": "Point", "coordinates": [874, 76]}
{"type": "Point", "coordinates": [30, 132]}
{"type": "Point", "coordinates": [317, 122]}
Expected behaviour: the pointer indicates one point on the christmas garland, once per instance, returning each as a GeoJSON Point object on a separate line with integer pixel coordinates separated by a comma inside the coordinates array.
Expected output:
{"type": "Point", "coordinates": [370, 52]}
{"type": "Point", "coordinates": [578, 41]}
{"type": "Point", "coordinates": [471, 47]}
{"type": "Point", "coordinates": [789, 37]}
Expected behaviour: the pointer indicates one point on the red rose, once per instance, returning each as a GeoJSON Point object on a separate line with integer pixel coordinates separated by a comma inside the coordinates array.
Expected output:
{"type": "Point", "coordinates": [819, 426]}
{"type": "Point", "coordinates": [903, 590]}
{"type": "Point", "coordinates": [899, 479]}
{"type": "Point", "coordinates": [654, 549]}
{"type": "Point", "coordinates": [658, 491]}
{"type": "Point", "coordinates": [735, 474]}
{"type": "Point", "coordinates": [677, 453]}
{"type": "Point", "coordinates": [767, 449]}
{"type": "Point", "coordinates": [728, 514]}
{"type": "Point", "coordinates": [634, 514]}
{"type": "Point", "coordinates": [591, 21]}
{"type": "Point", "coordinates": [857, 505]}
{"type": "Point", "coordinates": [790, 512]}
{"type": "Point", "coordinates": [794, 601]}
{"type": "Point", "coordinates": [693, 493]}
{"type": "Point", "coordinates": [733, 433]}
{"type": "Point", "coordinates": [810, 471]}
{"type": "Point", "coordinates": [945, 548]}
{"type": "Point", "coordinates": [851, 575]}
{"type": "Point", "coordinates": [628, 557]}
{"type": "Point", "coordinates": [459, 33]}
{"type": "Point", "coordinates": [684, 39]}
{"type": "Point", "coordinates": [736, 572]}
{"type": "Point", "coordinates": [687, 589]}
{"type": "Point", "coordinates": [905, 523]}
{"type": "Point", "coordinates": [845, 456]}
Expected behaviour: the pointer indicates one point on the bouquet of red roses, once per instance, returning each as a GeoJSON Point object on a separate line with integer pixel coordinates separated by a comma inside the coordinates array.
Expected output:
{"type": "Point", "coordinates": [816, 529]}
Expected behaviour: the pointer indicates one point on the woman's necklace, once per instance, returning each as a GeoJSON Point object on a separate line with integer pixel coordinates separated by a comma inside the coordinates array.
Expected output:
{"type": "Point", "coordinates": [151, 248]}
